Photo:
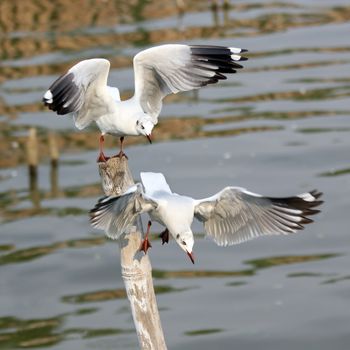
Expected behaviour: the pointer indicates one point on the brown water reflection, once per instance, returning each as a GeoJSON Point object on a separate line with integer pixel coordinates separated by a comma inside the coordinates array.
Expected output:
{"type": "Point", "coordinates": [33, 333]}
{"type": "Point", "coordinates": [293, 91]}
{"type": "Point", "coordinates": [105, 295]}
{"type": "Point", "coordinates": [204, 331]}
{"type": "Point", "coordinates": [28, 254]}
{"type": "Point", "coordinates": [256, 264]}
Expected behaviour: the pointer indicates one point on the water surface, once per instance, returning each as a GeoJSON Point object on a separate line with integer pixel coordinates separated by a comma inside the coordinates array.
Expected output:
{"type": "Point", "coordinates": [278, 127]}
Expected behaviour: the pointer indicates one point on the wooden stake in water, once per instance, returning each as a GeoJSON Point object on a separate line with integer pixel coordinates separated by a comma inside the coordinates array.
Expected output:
{"type": "Point", "coordinates": [53, 149]}
{"type": "Point", "coordinates": [135, 265]}
{"type": "Point", "coordinates": [54, 156]}
{"type": "Point", "coordinates": [32, 161]}
{"type": "Point", "coordinates": [32, 152]}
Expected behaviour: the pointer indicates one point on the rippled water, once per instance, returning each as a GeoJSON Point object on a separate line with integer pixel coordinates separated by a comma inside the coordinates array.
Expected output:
{"type": "Point", "coordinates": [278, 127]}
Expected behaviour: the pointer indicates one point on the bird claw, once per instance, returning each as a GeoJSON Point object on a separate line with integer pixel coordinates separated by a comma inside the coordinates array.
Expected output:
{"type": "Point", "coordinates": [102, 158]}
{"type": "Point", "coordinates": [164, 236]}
{"type": "Point", "coordinates": [120, 155]}
{"type": "Point", "coordinates": [145, 245]}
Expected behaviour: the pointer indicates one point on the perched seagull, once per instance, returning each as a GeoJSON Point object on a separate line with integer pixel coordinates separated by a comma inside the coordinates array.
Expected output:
{"type": "Point", "coordinates": [159, 71]}
{"type": "Point", "coordinates": [231, 216]}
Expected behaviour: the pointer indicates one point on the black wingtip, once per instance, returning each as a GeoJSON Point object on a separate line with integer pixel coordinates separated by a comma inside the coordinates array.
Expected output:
{"type": "Point", "coordinates": [300, 206]}
{"type": "Point", "coordinates": [62, 90]}
{"type": "Point", "coordinates": [315, 193]}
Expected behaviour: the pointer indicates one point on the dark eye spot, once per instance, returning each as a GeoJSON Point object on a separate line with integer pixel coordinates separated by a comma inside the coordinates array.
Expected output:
{"type": "Point", "coordinates": [142, 127]}
{"type": "Point", "coordinates": [177, 236]}
{"type": "Point", "coordinates": [183, 242]}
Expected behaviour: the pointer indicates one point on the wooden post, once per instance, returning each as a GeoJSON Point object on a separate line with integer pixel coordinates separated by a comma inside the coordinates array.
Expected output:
{"type": "Point", "coordinates": [53, 149]}
{"type": "Point", "coordinates": [215, 10]}
{"type": "Point", "coordinates": [32, 152]}
{"type": "Point", "coordinates": [135, 265]}
{"type": "Point", "coordinates": [54, 156]}
{"type": "Point", "coordinates": [32, 161]}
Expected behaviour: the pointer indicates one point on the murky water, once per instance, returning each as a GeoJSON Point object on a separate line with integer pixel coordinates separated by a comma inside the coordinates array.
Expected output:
{"type": "Point", "coordinates": [278, 127]}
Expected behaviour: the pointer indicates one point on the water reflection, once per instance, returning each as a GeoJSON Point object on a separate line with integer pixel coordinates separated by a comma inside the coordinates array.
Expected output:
{"type": "Point", "coordinates": [28, 254]}
{"type": "Point", "coordinates": [337, 280]}
{"type": "Point", "coordinates": [257, 264]}
{"type": "Point", "coordinates": [204, 331]}
{"type": "Point", "coordinates": [335, 172]}
{"type": "Point", "coordinates": [105, 295]}
{"type": "Point", "coordinates": [295, 79]}
{"type": "Point", "coordinates": [33, 333]}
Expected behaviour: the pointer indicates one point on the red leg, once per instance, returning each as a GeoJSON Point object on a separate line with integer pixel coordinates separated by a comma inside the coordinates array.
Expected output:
{"type": "Point", "coordinates": [145, 244]}
{"type": "Point", "coordinates": [165, 236]}
{"type": "Point", "coordinates": [121, 153]}
{"type": "Point", "coordinates": [102, 157]}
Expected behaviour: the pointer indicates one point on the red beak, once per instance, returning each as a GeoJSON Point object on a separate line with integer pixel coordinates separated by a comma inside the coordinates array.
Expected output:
{"type": "Point", "coordinates": [149, 138]}
{"type": "Point", "coordinates": [190, 255]}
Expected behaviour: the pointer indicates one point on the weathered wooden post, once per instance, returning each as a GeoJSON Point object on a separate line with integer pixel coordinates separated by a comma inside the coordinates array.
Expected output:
{"type": "Point", "coordinates": [53, 149]}
{"type": "Point", "coordinates": [32, 161]}
{"type": "Point", "coordinates": [135, 265]}
{"type": "Point", "coordinates": [32, 153]}
{"type": "Point", "coordinates": [54, 156]}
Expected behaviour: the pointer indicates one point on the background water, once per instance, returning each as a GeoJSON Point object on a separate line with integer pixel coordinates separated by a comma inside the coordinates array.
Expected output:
{"type": "Point", "coordinates": [278, 127]}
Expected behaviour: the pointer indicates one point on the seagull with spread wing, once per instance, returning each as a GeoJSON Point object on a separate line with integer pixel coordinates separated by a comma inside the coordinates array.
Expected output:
{"type": "Point", "coordinates": [231, 216]}
{"type": "Point", "coordinates": [159, 71]}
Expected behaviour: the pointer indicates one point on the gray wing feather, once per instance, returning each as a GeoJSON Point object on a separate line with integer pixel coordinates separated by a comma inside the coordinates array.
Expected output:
{"type": "Point", "coordinates": [236, 215]}
{"type": "Point", "coordinates": [166, 69]}
{"type": "Point", "coordinates": [116, 214]}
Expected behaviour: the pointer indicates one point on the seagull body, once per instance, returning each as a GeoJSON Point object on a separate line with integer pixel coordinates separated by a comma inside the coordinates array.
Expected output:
{"type": "Point", "coordinates": [158, 72]}
{"type": "Point", "coordinates": [231, 216]}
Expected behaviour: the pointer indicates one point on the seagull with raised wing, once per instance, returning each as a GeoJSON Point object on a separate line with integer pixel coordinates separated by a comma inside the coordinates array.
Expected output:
{"type": "Point", "coordinates": [158, 71]}
{"type": "Point", "coordinates": [231, 216]}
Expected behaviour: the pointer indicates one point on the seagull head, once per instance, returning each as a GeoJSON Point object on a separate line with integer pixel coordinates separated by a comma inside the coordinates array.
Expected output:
{"type": "Point", "coordinates": [185, 241]}
{"type": "Point", "coordinates": [144, 126]}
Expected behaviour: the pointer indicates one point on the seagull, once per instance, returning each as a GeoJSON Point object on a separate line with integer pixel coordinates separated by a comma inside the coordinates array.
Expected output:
{"type": "Point", "coordinates": [158, 72]}
{"type": "Point", "coordinates": [231, 216]}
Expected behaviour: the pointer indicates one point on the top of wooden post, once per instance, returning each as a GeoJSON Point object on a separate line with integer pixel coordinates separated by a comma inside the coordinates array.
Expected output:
{"type": "Point", "coordinates": [115, 175]}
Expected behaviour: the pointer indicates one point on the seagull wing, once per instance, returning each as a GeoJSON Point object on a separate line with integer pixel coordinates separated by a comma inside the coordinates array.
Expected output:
{"type": "Point", "coordinates": [166, 69]}
{"type": "Point", "coordinates": [235, 215]}
{"type": "Point", "coordinates": [83, 91]}
{"type": "Point", "coordinates": [153, 183]}
{"type": "Point", "coordinates": [116, 214]}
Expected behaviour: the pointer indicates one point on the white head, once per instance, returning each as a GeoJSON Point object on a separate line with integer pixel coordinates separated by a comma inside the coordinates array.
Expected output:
{"type": "Point", "coordinates": [144, 126]}
{"type": "Point", "coordinates": [185, 241]}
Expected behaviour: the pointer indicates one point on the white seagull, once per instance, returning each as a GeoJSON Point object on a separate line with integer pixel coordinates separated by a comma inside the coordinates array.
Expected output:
{"type": "Point", "coordinates": [231, 216]}
{"type": "Point", "coordinates": [159, 71]}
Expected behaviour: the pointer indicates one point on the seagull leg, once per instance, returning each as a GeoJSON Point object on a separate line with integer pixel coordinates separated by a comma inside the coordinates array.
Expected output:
{"type": "Point", "coordinates": [145, 244]}
{"type": "Point", "coordinates": [102, 157]}
{"type": "Point", "coordinates": [121, 153]}
{"type": "Point", "coordinates": [165, 236]}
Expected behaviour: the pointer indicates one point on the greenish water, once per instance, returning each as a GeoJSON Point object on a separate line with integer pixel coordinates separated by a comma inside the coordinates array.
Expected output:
{"type": "Point", "coordinates": [278, 127]}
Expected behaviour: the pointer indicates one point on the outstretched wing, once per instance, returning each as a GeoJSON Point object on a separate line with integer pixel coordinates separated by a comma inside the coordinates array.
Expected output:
{"type": "Point", "coordinates": [236, 215]}
{"type": "Point", "coordinates": [166, 69]}
{"type": "Point", "coordinates": [83, 91]}
{"type": "Point", "coordinates": [116, 214]}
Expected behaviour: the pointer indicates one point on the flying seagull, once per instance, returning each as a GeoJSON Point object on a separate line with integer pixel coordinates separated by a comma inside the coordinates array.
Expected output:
{"type": "Point", "coordinates": [231, 216]}
{"type": "Point", "coordinates": [159, 71]}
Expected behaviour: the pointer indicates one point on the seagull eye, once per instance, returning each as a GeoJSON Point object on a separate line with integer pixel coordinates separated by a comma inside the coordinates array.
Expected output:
{"type": "Point", "coordinates": [142, 127]}
{"type": "Point", "coordinates": [183, 242]}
